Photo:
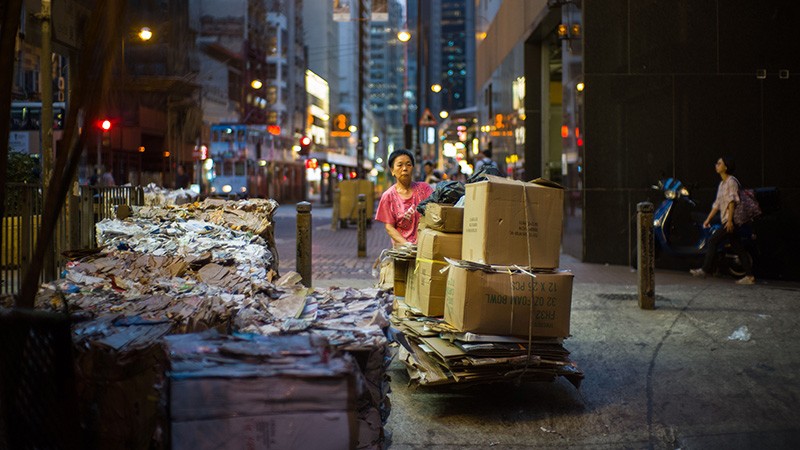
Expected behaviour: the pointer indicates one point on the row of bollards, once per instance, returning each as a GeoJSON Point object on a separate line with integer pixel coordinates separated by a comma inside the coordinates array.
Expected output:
{"type": "Point", "coordinates": [303, 261]}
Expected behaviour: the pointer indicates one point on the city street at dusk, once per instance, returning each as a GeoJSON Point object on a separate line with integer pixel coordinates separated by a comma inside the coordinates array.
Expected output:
{"type": "Point", "coordinates": [399, 224]}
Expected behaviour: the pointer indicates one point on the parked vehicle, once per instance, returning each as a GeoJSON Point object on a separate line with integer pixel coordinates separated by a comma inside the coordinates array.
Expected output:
{"type": "Point", "coordinates": [679, 232]}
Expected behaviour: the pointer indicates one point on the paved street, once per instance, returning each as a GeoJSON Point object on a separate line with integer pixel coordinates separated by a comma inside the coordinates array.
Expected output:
{"type": "Point", "coordinates": [334, 252]}
{"type": "Point", "coordinates": [715, 365]}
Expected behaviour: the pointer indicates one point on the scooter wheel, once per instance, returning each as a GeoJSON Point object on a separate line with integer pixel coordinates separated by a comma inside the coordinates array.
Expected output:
{"type": "Point", "coordinates": [736, 266]}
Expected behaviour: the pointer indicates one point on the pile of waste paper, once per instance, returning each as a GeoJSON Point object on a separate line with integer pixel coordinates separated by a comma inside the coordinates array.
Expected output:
{"type": "Point", "coordinates": [155, 195]}
{"type": "Point", "coordinates": [196, 267]}
{"type": "Point", "coordinates": [435, 353]}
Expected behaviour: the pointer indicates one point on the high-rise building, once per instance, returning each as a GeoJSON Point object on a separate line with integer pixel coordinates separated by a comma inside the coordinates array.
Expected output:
{"type": "Point", "coordinates": [252, 71]}
{"type": "Point", "coordinates": [386, 78]}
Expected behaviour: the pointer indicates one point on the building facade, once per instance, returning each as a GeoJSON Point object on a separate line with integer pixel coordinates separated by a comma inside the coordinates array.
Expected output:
{"type": "Point", "coordinates": [618, 95]}
{"type": "Point", "coordinates": [253, 62]}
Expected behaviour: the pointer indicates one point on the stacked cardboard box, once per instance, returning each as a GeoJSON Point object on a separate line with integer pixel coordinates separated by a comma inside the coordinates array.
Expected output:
{"type": "Point", "coordinates": [505, 292]}
{"type": "Point", "coordinates": [427, 283]}
{"type": "Point", "coordinates": [260, 392]}
{"type": "Point", "coordinates": [512, 240]}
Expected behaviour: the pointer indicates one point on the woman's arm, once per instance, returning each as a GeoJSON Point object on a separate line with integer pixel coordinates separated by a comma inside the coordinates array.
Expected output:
{"type": "Point", "coordinates": [711, 215]}
{"type": "Point", "coordinates": [397, 238]}
{"type": "Point", "coordinates": [729, 223]}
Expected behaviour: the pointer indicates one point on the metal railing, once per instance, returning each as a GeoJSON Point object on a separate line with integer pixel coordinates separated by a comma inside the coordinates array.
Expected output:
{"type": "Point", "coordinates": [75, 229]}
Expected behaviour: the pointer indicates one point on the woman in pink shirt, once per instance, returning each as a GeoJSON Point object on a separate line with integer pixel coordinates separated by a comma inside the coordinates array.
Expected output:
{"type": "Point", "coordinates": [398, 206]}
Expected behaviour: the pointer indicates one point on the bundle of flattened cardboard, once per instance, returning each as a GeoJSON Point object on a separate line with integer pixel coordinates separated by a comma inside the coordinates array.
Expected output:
{"type": "Point", "coordinates": [485, 300]}
{"type": "Point", "coordinates": [184, 270]}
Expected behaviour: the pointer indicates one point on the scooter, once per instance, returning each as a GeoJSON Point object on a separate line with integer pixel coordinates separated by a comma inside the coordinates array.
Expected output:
{"type": "Point", "coordinates": [679, 232]}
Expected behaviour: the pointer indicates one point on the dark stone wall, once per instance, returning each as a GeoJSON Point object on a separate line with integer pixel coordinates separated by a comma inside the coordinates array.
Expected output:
{"type": "Point", "coordinates": [671, 86]}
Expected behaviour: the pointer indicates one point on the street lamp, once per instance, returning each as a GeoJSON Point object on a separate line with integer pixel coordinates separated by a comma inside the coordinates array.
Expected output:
{"type": "Point", "coordinates": [145, 34]}
{"type": "Point", "coordinates": [404, 36]}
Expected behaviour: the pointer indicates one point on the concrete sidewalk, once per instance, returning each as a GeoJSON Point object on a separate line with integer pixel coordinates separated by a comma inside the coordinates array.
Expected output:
{"type": "Point", "coordinates": [715, 365]}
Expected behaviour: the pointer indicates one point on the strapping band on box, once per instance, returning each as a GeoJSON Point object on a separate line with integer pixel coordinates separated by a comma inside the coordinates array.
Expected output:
{"type": "Point", "coordinates": [530, 314]}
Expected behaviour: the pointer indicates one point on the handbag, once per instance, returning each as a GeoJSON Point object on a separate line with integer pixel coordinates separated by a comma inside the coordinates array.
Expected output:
{"type": "Point", "coordinates": [747, 209]}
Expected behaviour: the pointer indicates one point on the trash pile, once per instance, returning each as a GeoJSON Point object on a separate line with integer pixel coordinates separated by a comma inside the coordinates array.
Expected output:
{"type": "Point", "coordinates": [155, 195]}
{"type": "Point", "coordinates": [197, 267]}
{"type": "Point", "coordinates": [436, 353]}
{"type": "Point", "coordinates": [482, 300]}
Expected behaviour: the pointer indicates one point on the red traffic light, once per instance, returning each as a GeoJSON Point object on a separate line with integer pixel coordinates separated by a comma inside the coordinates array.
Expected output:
{"type": "Point", "coordinates": [105, 124]}
{"type": "Point", "coordinates": [305, 141]}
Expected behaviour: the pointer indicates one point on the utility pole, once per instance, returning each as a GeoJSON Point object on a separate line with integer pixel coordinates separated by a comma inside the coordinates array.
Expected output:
{"type": "Point", "coordinates": [362, 25]}
{"type": "Point", "coordinates": [418, 148]}
{"type": "Point", "coordinates": [46, 86]}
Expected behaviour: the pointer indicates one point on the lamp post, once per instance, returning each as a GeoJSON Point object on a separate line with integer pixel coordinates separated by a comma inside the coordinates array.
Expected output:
{"type": "Point", "coordinates": [362, 25]}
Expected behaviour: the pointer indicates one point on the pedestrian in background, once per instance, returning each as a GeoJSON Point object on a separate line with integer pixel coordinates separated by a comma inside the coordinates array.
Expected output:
{"type": "Point", "coordinates": [397, 208]}
{"type": "Point", "coordinates": [181, 178]}
{"type": "Point", "coordinates": [107, 179]}
{"type": "Point", "coordinates": [485, 161]}
{"type": "Point", "coordinates": [431, 176]}
{"type": "Point", "coordinates": [724, 204]}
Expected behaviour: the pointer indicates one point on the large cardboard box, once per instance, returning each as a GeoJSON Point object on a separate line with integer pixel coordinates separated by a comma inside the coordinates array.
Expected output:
{"type": "Point", "coordinates": [439, 217]}
{"type": "Point", "coordinates": [429, 284]}
{"type": "Point", "coordinates": [481, 301]}
{"type": "Point", "coordinates": [509, 222]}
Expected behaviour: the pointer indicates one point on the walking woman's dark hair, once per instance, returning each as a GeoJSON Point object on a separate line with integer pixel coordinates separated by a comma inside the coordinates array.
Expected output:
{"type": "Point", "coordinates": [730, 163]}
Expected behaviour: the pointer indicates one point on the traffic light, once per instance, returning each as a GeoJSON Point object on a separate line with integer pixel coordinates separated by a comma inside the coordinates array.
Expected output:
{"type": "Point", "coordinates": [105, 125]}
{"type": "Point", "coordinates": [305, 145]}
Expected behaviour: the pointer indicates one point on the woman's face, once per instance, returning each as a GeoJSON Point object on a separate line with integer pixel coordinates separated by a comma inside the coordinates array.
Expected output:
{"type": "Point", "coordinates": [402, 169]}
{"type": "Point", "coordinates": [721, 167]}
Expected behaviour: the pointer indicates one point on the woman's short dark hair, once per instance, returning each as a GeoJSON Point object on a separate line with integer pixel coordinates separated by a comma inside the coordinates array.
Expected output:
{"type": "Point", "coordinates": [730, 163]}
{"type": "Point", "coordinates": [399, 152]}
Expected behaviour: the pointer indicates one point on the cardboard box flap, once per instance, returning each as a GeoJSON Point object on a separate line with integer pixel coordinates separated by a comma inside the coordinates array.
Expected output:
{"type": "Point", "coordinates": [497, 268]}
{"type": "Point", "coordinates": [546, 182]}
{"type": "Point", "coordinates": [540, 181]}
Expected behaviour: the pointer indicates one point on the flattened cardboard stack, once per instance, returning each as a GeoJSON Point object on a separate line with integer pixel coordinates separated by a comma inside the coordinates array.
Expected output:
{"type": "Point", "coordinates": [119, 368]}
{"type": "Point", "coordinates": [506, 306]}
{"type": "Point", "coordinates": [260, 392]}
{"type": "Point", "coordinates": [208, 266]}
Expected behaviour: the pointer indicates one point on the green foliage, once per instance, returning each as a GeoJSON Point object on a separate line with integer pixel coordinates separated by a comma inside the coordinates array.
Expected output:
{"type": "Point", "coordinates": [22, 168]}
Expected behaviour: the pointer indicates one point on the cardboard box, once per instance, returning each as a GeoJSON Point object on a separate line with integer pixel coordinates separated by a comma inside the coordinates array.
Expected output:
{"type": "Point", "coordinates": [429, 287]}
{"type": "Point", "coordinates": [411, 284]}
{"type": "Point", "coordinates": [427, 284]}
{"type": "Point", "coordinates": [400, 275]}
{"type": "Point", "coordinates": [446, 218]}
{"type": "Point", "coordinates": [436, 245]}
{"type": "Point", "coordinates": [482, 301]}
{"type": "Point", "coordinates": [497, 229]}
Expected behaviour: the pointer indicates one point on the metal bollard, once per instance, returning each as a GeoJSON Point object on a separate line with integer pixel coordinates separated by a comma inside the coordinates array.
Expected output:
{"type": "Point", "coordinates": [645, 265]}
{"type": "Point", "coordinates": [335, 214]}
{"type": "Point", "coordinates": [303, 262]}
{"type": "Point", "coordinates": [362, 226]}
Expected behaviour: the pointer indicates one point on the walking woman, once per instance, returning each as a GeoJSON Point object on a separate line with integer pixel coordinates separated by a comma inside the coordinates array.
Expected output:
{"type": "Point", "coordinates": [398, 206]}
{"type": "Point", "coordinates": [727, 198]}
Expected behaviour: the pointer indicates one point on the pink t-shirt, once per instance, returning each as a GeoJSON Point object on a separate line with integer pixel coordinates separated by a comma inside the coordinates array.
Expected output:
{"type": "Point", "coordinates": [400, 212]}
